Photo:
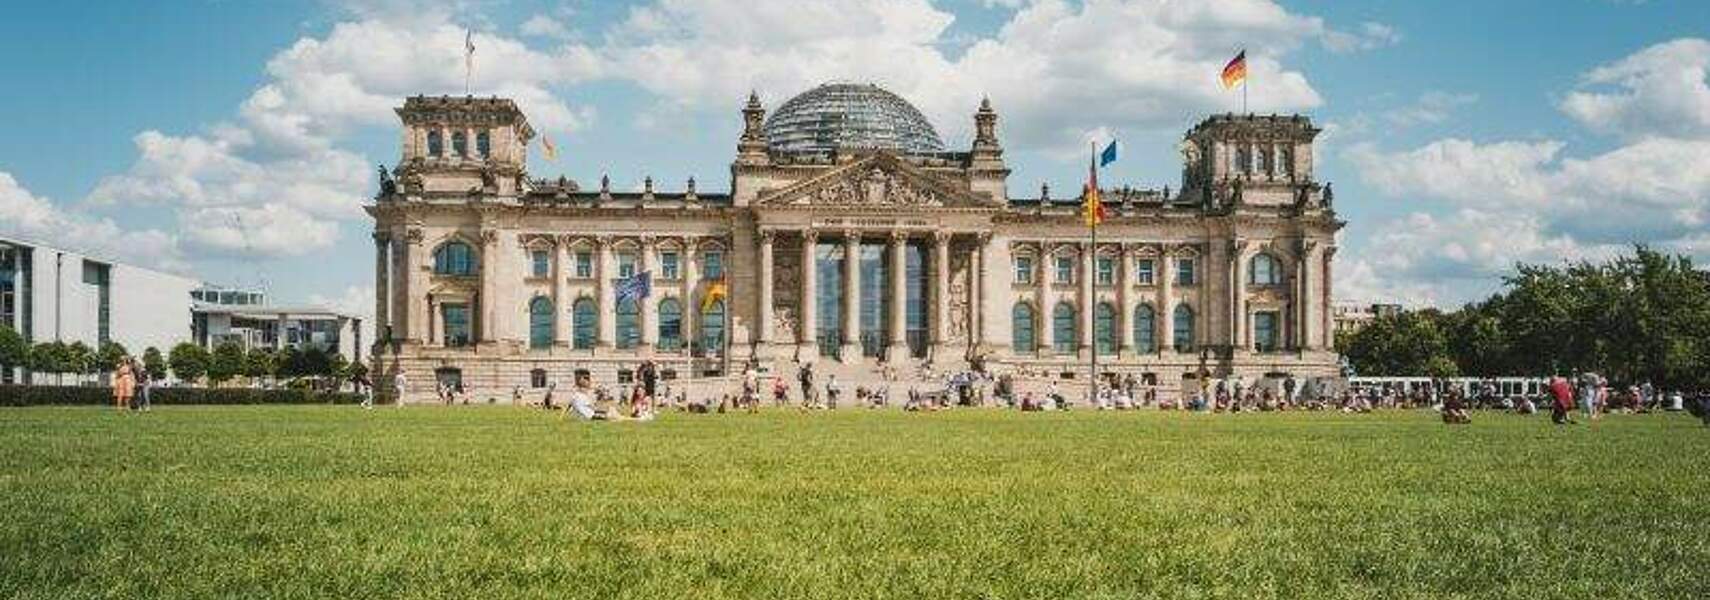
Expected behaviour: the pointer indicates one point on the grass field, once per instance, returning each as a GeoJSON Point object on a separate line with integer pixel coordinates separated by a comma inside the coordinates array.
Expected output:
{"type": "Point", "coordinates": [325, 502]}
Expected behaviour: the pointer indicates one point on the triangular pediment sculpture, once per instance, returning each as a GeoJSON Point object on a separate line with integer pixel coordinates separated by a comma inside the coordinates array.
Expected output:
{"type": "Point", "coordinates": [879, 180]}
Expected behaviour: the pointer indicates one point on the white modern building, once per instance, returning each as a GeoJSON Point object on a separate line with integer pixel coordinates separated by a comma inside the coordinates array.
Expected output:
{"type": "Point", "coordinates": [50, 294]}
{"type": "Point", "coordinates": [225, 314]}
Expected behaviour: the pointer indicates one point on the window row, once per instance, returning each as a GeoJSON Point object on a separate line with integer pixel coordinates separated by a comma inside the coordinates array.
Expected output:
{"type": "Point", "coordinates": [459, 144]}
{"type": "Point", "coordinates": [1263, 269]}
{"type": "Point", "coordinates": [584, 324]}
{"type": "Point", "coordinates": [1267, 160]}
{"type": "Point", "coordinates": [458, 258]}
{"type": "Point", "coordinates": [1065, 328]}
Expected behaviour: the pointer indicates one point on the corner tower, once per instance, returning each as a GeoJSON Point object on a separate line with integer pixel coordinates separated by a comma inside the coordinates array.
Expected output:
{"type": "Point", "coordinates": [464, 146]}
{"type": "Point", "coordinates": [1262, 160]}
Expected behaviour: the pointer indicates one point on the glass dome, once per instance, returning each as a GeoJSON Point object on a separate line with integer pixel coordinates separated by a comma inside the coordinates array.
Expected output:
{"type": "Point", "coordinates": [850, 115]}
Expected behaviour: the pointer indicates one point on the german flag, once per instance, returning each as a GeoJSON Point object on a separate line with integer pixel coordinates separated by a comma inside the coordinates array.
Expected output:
{"type": "Point", "coordinates": [1235, 73]}
{"type": "Point", "coordinates": [716, 290]}
{"type": "Point", "coordinates": [1092, 208]}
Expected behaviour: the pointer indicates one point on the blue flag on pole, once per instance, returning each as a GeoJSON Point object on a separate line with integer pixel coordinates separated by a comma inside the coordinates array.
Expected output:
{"type": "Point", "coordinates": [638, 286]}
{"type": "Point", "coordinates": [1108, 155]}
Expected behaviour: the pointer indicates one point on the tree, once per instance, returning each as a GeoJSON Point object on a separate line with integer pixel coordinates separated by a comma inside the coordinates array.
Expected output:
{"type": "Point", "coordinates": [14, 349]}
{"type": "Point", "coordinates": [50, 357]}
{"type": "Point", "coordinates": [189, 361]}
{"type": "Point", "coordinates": [1409, 344]}
{"type": "Point", "coordinates": [79, 359]}
{"type": "Point", "coordinates": [154, 363]}
{"type": "Point", "coordinates": [259, 363]}
{"type": "Point", "coordinates": [226, 363]}
{"type": "Point", "coordinates": [108, 357]}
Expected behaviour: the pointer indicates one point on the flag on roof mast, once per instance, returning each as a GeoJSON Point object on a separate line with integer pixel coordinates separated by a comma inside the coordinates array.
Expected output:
{"type": "Point", "coordinates": [546, 146]}
{"type": "Point", "coordinates": [1108, 155]}
{"type": "Point", "coordinates": [1235, 73]}
{"type": "Point", "coordinates": [1092, 208]}
{"type": "Point", "coordinates": [468, 58]}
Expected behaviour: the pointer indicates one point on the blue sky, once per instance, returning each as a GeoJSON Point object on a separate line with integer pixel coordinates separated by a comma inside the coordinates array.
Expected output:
{"type": "Point", "coordinates": [235, 140]}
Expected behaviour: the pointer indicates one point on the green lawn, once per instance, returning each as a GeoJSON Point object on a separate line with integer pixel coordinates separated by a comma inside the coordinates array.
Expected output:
{"type": "Point", "coordinates": [336, 502]}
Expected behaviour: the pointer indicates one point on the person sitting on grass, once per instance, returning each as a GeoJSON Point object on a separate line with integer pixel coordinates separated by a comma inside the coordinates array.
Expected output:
{"type": "Point", "coordinates": [582, 398]}
{"type": "Point", "coordinates": [1454, 409]}
{"type": "Point", "coordinates": [1525, 406]}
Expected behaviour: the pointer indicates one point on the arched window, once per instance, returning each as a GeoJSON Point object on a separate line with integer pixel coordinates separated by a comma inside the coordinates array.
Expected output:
{"type": "Point", "coordinates": [436, 144]}
{"type": "Point", "coordinates": [1264, 269]}
{"type": "Point", "coordinates": [1183, 328]}
{"type": "Point", "coordinates": [459, 143]}
{"type": "Point", "coordinates": [454, 258]}
{"type": "Point", "coordinates": [1145, 329]}
{"type": "Point", "coordinates": [585, 321]}
{"type": "Point", "coordinates": [1104, 328]}
{"type": "Point", "coordinates": [670, 324]}
{"type": "Point", "coordinates": [712, 328]}
{"type": "Point", "coordinates": [628, 324]}
{"type": "Point", "coordinates": [483, 144]}
{"type": "Point", "coordinates": [1063, 338]}
{"type": "Point", "coordinates": [1022, 328]}
{"type": "Point", "coordinates": [540, 322]}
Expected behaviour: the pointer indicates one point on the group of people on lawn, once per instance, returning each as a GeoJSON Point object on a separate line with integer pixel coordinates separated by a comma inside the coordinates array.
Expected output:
{"type": "Point", "coordinates": [132, 385]}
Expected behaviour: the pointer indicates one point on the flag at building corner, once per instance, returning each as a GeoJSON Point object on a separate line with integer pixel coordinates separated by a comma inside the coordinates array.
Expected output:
{"type": "Point", "coordinates": [547, 147]}
{"type": "Point", "coordinates": [638, 286]}
{"type": "Point", "coordinates": [1108, 155]}
{"type": "Point", "coordinates": [716, 290]}
{"type": "Point", "coordinates": [1092, 208]}
{"type": "Point", "coordinates": [1235, 72]}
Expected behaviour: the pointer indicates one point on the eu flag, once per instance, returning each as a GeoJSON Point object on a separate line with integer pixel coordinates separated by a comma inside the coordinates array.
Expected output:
{"type": "Point", "coordinates": [1108, 155]}
{"type": "Point", "coordinates": [638, 286]}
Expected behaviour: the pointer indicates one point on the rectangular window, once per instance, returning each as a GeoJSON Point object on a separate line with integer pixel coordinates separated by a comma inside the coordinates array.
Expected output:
{"type": "Point", "coordinates": [483, 144]}
{"type": "Point", "coordinates": [1024, 269]}
{"type": "Point", "coordinates": [541, 263]}
{"type": "Point", "coordinates": [1185, 272]}
{"type": "Point", "coordinates": [584, 265]}
{"type": "Point", "coordinates": [625, 265]}
{"type": "Point", "coordinates": [1265, 331]}
{"type": "Point", "coordinates": [455, 318]}
{"type": "Point", "coordinates": [1143, 272]}
{"type": "Point", "coordinates": [712, 265]}
{"type": "Point", "coordinates": [1065, 269]}
{"type": "Point", "coordinates": [1106, 270]}
{"type": "Point", "coordinates": [668, 265]}
{"type": "Point", "coordinates": [459, 143]}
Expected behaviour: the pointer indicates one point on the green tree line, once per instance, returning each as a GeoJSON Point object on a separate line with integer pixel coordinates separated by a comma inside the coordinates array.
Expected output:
{"type": "Point", "coordinates": [1634, 318]}
{"type": "Point", "coordinates": [187, 361]}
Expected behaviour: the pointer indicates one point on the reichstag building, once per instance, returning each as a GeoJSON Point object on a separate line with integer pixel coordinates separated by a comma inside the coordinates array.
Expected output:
{"type": "Point", "coordinates": [853, 237]}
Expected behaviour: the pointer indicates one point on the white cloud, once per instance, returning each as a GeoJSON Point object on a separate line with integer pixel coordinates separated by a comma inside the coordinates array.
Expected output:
{"type": "Point", "coordinates": [1431, 108]}
{"type": "Point", "coordinates": [39, 219]}
{"type": "Point", "coordinates": [275, 181]}
{"type": "Point", "coordinates": [1122, 65]}
{"type": "Point", "coordinates": [1659, 91]}
{"type": "Point", "coordinates": [1525, 201]}
{"type": "Point", "coordinates": [1368, 36]}
{"type": "Point", "coordinates": [545, 27]}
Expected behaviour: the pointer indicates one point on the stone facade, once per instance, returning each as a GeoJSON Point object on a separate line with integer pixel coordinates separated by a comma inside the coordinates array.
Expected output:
{"type": "Point", "coordinates": [502, 281]}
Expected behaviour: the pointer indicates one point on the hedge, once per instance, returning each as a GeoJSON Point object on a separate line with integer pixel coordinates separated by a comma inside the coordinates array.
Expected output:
{"type": "Point", "coordinates": [47, 395]}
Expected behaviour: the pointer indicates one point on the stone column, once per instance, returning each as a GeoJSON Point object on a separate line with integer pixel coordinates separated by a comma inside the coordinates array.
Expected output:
{"type": "Point", "coordinates": [940, 291]}
{"type": "Point", "coordinates": [990, 275]}
{"type": "Point", "coordinates": [807, 329]}
{"type": "Point", "coordinates": [489, 287]}
{"type": "Point", "coordinates": [561, 292]}
{"type": "Point", "coordinates": [649, 312]}
{"type": "Point", "coordinates": [691, 280]}
{"type": "Point", "coordinates": [977, 277]}
{"type": "Point", "coordinates": [1124, 310]}
{"type": "Point", "coordinates": [1087, 299]}
{"type": "Point", "coordinates": [764, 311]}
{"type": "Point", "coordinates": [851, 296]}
{"type": "Point", "coordinates": [382, 286]}
{"type": "Point", "coordinates": [1308, 334]}
{"type": "Point", "coordinates": [1238, 269]}
{"type": "Point", "coordinates": [607, 294]}
{"type": "Point", "coordinates": [1326, 327]}
{"type": "Point", "coordinates": [898, 340]}
{"type": "Point", "coordinates": [1041, 277]}
{"type": "Point", "coordinates": [416, 268]}
{"type": "Point", "coordinates": [1166, 314]}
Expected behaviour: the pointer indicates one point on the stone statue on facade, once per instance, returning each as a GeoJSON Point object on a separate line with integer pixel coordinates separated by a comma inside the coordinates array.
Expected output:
{"type": "Point", "coordinates": [388, 187]}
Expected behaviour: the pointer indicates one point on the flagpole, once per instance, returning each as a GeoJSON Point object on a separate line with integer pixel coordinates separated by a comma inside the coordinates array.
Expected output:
{"type": "Point", "coordinates": [1091, 300]}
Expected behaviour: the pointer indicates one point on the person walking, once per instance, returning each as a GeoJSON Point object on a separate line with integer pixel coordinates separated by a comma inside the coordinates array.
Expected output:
{"type": "Point", "coordinates": [832, 390]}
{"type": "Point", "coordinates": [145, 383]}
{"type": "Point", "coordinates": [400, 384]}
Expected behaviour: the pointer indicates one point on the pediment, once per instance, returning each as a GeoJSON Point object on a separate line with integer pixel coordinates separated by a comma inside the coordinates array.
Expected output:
{"type": "Point", "coordinates": [880, 180]}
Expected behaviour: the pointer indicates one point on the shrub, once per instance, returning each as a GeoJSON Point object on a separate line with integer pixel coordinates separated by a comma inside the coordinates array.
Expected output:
{"type": "Point", "coordinates": [49, 395]}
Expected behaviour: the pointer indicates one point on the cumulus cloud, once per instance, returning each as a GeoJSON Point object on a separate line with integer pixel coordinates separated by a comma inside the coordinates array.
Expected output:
{"type": "Point", "coordinates": [545, 27]}
{"type": "Point", "coordinates": [274, 180]}
{"type": "Point", "coordinates": [1660, 91]}
{"type": "Point", "coordinates": [35, 218]}
{"type": "Point", "coordinates": [1530, 201]}
{"type": "Point", "coordinates": [1368, 36]}
{"type": "Point", "coordinates": [1124, 65]}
